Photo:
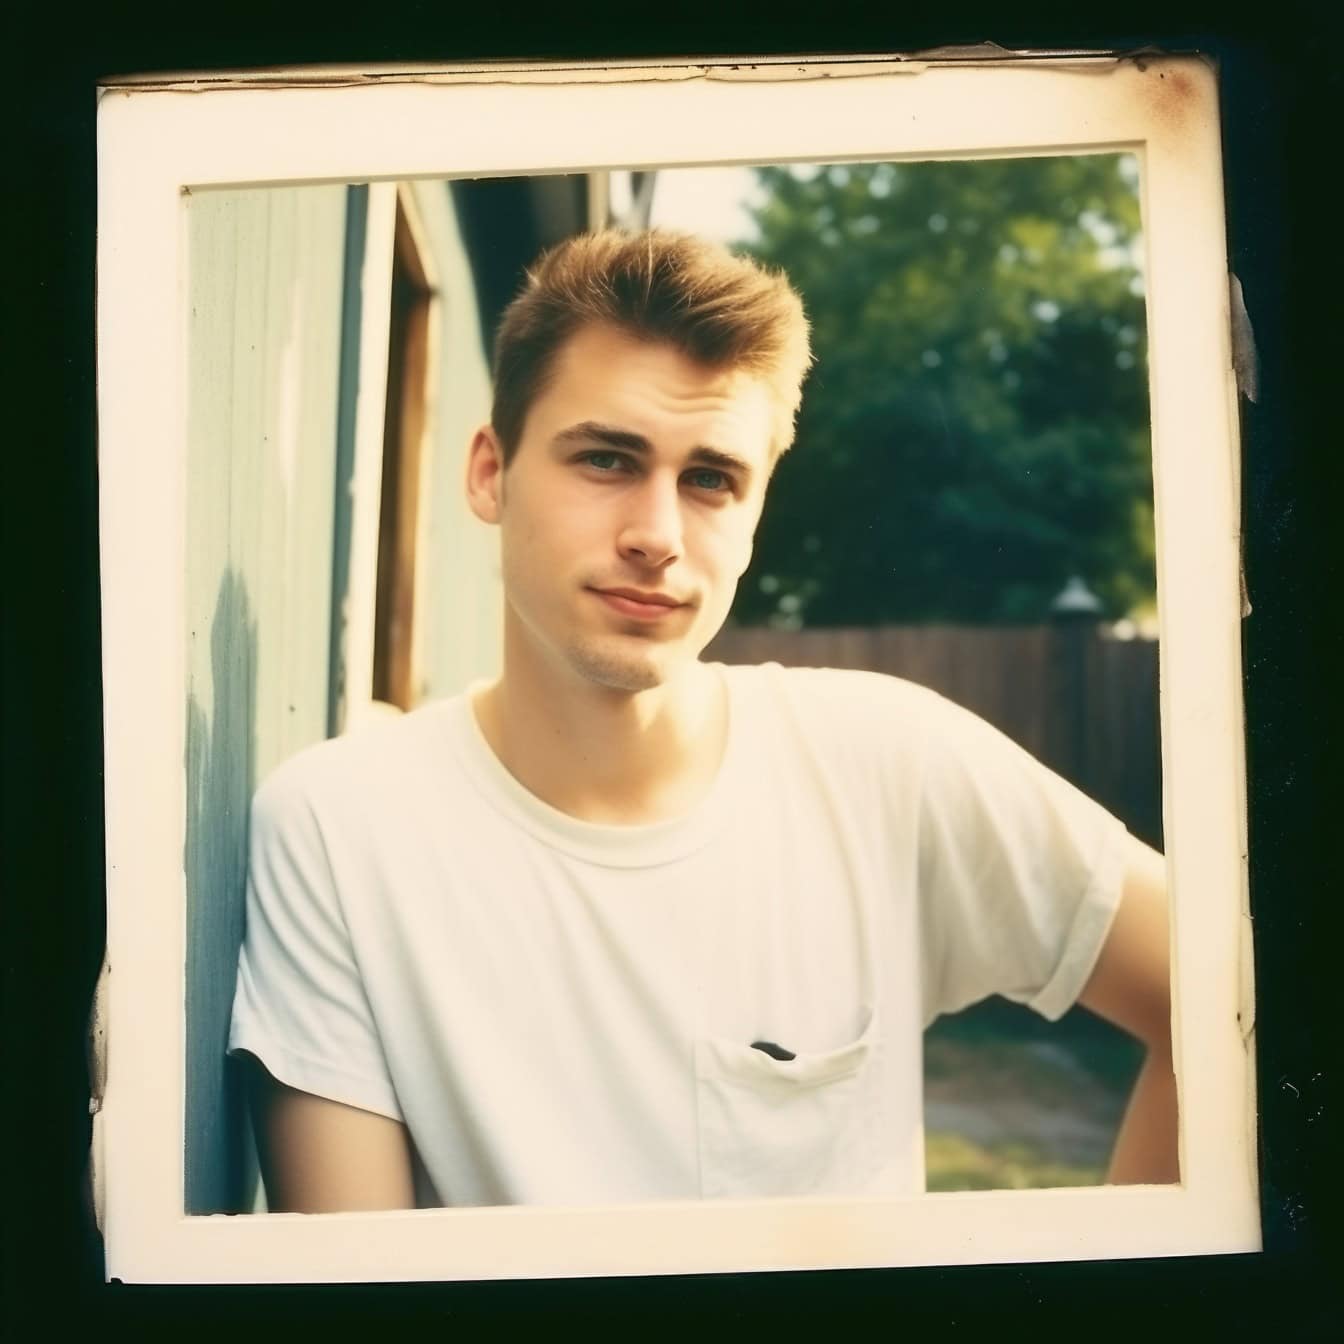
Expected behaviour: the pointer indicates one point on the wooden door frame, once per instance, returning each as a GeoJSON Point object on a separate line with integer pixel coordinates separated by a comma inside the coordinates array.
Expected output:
{"type": "Point", "coordinates": [412, 357]}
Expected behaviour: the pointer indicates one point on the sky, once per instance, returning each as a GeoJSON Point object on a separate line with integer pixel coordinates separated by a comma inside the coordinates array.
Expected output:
{"type": "Point", "coordinates": [707, 201]}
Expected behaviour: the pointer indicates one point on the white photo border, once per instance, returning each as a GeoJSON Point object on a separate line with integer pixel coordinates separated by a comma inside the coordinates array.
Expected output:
{"type": "Point", "coordinates": [161, 141]}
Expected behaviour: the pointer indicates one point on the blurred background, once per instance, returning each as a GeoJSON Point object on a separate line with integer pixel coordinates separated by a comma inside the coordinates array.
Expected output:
{"type": "Point", "coordinates": [968, 504]}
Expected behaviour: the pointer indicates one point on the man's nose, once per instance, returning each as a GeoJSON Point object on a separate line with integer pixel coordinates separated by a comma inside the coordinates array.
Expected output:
{"type": "Point", "coordinates": [651, 530]}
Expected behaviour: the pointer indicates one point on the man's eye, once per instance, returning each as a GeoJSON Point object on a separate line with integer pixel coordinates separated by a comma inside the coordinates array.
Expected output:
{"type": "Point", "coordinates": [603, 461]}
{"type": "Point", "coordinates": [705, 478]}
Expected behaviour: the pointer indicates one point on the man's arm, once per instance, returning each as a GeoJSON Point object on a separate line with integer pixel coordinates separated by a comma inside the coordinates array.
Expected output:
{"type": "Point", "coordinates": [1131, 987]}
{"type": "Point", "coordinates": [320, 1156]}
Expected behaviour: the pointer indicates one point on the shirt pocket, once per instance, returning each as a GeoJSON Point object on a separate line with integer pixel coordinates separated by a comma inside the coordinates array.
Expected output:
{"type": "Point", "coordinates": [809, 1125]}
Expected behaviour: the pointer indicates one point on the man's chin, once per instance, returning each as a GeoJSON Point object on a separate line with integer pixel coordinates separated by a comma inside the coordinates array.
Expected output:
{"type": "Point", "coordinates": [628, 670]}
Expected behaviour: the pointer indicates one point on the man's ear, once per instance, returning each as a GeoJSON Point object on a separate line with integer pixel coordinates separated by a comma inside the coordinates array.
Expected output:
{"type": "Point", "coordinates": [485, 474]}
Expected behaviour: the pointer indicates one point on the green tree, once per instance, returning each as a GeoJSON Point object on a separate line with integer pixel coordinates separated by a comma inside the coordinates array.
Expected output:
{"type": "Point", "coordinates": [975, 428]}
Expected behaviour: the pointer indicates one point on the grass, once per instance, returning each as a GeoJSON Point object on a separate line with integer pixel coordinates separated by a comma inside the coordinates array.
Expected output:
{"type": "Point", "coordinates": [955, 1162]}
{"type": "Point", "coordinates": [1013, 1102]}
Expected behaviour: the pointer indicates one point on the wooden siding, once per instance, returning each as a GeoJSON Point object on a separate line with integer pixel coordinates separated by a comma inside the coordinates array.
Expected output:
{"type": "Point", "coordinates": [264, 313]}
{"type": "Point", "coordinates": [460, 601]}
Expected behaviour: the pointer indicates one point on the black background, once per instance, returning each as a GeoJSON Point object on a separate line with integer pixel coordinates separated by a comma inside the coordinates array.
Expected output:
{"type": "Point", "coordinates": [1281, 94]}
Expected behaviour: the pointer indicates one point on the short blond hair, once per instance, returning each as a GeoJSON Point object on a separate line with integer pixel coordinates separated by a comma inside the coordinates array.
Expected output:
{"type": "Point", "coordinates": [722, 310]}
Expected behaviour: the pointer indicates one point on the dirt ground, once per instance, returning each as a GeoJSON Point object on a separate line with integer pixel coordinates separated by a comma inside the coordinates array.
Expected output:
{"type": "Point", "coordinates": [1012, 1102]}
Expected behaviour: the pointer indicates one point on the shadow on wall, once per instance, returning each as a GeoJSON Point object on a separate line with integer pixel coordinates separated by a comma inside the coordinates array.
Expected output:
{"type": "Point", "coordinates": [221, 768]}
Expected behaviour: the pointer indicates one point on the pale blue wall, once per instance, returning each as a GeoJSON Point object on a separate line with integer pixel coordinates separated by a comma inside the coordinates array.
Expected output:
{"type": "Point", "coordinates": [460, 605]}
{"type": "Point", "coordinates": [264, 327]}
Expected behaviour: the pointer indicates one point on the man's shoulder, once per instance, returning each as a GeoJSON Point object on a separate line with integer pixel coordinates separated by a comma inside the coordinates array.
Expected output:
{"type": "Point", "coordinates": [378, 756]}
{"type": "Point", "coordinates": [846, 713]}
{"type": "Point", "coordinates": [844, 691]}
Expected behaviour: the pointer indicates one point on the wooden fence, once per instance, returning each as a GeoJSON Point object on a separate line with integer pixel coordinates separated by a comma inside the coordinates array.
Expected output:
{"type": "Point", "coordinates": [1071, 693]}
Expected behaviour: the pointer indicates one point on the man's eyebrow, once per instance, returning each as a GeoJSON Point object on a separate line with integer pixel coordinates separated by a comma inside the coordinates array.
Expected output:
{"type": "Point", "coordinates": [589, 431]}
{"type": "Point", "coordinates": [714, 457]}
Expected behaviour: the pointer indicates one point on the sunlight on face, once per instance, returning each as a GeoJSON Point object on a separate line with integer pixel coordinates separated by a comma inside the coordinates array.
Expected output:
{"type": "Point", "coordinates": [628, 510]}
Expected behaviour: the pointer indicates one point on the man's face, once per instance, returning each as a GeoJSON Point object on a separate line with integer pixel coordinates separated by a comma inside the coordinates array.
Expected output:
{"type": "Point", "coordinates": [628, 510]}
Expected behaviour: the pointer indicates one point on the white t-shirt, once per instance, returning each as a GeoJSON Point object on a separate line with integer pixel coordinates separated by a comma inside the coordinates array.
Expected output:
{"type": "Point", "coordinates": [564, 1013]}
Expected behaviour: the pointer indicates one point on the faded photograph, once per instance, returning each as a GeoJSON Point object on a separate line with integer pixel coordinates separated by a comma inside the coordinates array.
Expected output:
{"type": "Point", "coordinates": [672, 689]}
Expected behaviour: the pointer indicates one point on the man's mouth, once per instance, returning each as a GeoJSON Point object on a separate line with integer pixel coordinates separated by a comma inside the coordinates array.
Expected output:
{"type": "Point", "coordinates": [639, 603]}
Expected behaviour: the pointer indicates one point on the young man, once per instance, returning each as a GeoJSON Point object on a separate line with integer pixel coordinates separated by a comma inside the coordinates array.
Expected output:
{"type": "Point", "coordinates": [628, 926]}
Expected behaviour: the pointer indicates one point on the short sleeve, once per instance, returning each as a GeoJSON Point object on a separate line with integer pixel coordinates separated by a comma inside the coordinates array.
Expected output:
{"type": "Point", "coordinates": [300, 1004]}
{"type": "Point", "coordinates": [1020, 873]}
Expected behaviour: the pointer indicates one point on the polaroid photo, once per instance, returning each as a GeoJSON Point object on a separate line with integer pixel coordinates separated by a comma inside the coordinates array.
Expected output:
{"type": "Point", "coordinates": [925, 760]}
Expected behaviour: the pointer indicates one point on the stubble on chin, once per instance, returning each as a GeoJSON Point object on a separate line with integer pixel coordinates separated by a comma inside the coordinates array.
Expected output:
{"type": "Point", "coordinates": [617, 670]}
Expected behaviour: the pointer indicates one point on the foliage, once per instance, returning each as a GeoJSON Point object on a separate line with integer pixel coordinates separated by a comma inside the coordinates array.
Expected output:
{"type": "Point", "coordinates": [1013, 1101]}
{"type": "Point", "coordinates": [975, 428]}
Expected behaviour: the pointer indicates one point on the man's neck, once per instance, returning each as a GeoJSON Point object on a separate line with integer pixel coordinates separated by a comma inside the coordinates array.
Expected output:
{"type": "Point", "coordinates": [613, 757]}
